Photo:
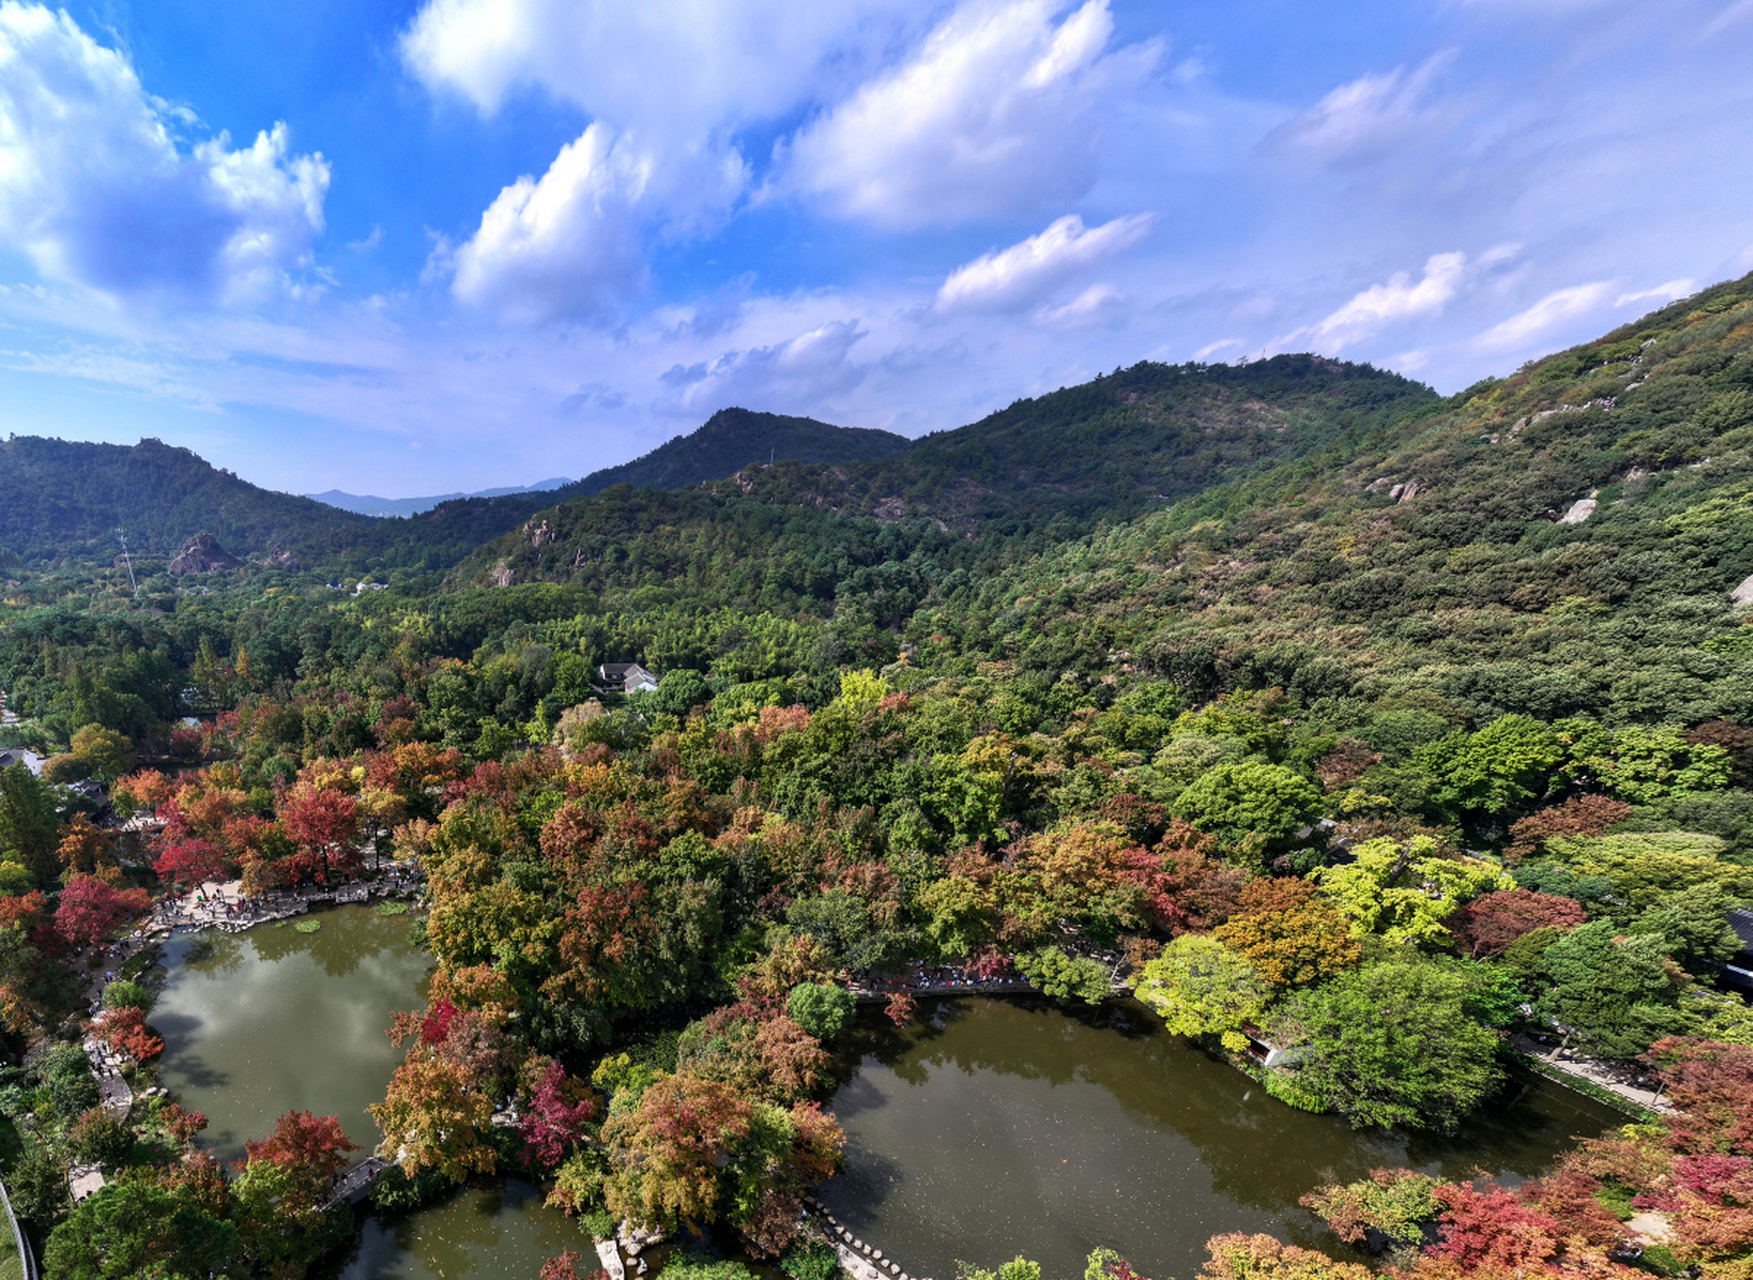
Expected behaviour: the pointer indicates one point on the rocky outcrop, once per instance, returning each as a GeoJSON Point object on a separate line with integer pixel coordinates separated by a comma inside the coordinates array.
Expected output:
{"type": "Point", "coordinates": [203, 555]}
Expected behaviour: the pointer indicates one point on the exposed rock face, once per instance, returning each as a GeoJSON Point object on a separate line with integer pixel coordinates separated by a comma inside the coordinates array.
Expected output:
{"type": "Point", "coordinates": [283, 560]}
{"type": "Point", "coordinates": [1578, 511]}
{"type": "Point", "coordinates": [203, 555]}
{"type": "Point", "coordinates": [1742, 594]}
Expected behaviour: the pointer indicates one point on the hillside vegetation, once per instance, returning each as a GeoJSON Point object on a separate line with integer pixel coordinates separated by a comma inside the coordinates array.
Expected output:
{"type": "Point", "coordinates": [990, 493]}
{"type": "Point", "coordinates": [68, 500]}
{"type": "Point", "coordinates": [732, 439]}
{"type": "Point", "coordinates": [1387, 728]}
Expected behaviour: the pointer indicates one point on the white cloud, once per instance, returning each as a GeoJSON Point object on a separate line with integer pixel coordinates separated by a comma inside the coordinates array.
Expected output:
{"type": "Point", "coordinates": [1661, 293]}
{"type": "Point", "coordinates": [1365, 117]}
{"type": "Point", "coordinates": [565, 245]}
{"type": "Point", "coordinates": [669, 83]}
{"type": "Point", "coordinates": [1401, 298]}
{"type": "Point", "coordinates": [1545, 315]}
{"type": "Point", "coordinates": [1018, 277]}
{"type": "Point", "coordinates": [571, 243]}
{"type": "Point", "coordinates": [803, 370]}
{"type": "Point", "coordinates": [1099, 302]}
{"type": "Point", "coordinates": [1212, 348]}
{"type": "Point", "coordinates": [666, 68]}
{"type": "Point", "coordinates": [94, 189]}
{"type": "Point", "coordinates": [998, 112]}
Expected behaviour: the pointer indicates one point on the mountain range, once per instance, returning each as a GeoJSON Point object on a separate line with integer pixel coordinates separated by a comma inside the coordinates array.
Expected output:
{"type": "Point", "coordinates": [1179, 513]}
{"type": "Point", "coordinates": [367, 504]}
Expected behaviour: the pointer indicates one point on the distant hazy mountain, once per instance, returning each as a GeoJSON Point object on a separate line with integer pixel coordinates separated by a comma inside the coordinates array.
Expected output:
{"type": "Point", "coordinates": [366, 504]}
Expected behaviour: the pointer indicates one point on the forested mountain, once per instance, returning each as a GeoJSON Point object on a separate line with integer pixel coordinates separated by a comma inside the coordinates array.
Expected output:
{"type": "Point", "coordinates": [1013, 483]}
{"type": "Point", "coordinates": [727, 442]}
{"type": "Point", "coordinates": [1558, 542]}
{"type": "Point", "coordinates": [68, 499]}
{"type": "Point", "coordinates": [1123, 444]}
{"type": "Point", "coordinates": [1402, 730]}
{"type": "Point", "coordinates": [732, 439]}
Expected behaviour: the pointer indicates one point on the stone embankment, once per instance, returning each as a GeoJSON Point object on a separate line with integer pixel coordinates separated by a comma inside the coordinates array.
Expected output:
{"type": "Point", "coordinates": [225, 908]}
{"type": "Point", "coordinates": [861, 1260]}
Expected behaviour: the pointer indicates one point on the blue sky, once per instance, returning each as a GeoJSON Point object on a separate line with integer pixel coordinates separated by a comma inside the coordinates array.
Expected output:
{"type": "Point", "coordinates": [430, 245]}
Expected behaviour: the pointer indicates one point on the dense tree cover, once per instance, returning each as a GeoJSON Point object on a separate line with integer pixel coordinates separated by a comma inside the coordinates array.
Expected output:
{"type": "Point", "coordinates": [73, 499]}
{"type": "Point", "coordinates": [1361, 756]}
{"type": "Point", "coordinates": [732, 439]}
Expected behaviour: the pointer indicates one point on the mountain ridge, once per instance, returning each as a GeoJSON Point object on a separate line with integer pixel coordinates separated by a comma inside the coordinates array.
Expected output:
{"type": "Point", "coordinates": [368, 504]}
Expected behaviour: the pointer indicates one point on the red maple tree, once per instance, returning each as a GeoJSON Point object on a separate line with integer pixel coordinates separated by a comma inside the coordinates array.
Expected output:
{"type": "Point", "coordinates": [91, 910]}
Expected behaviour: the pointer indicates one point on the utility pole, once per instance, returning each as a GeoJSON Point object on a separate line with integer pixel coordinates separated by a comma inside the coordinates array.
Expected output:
{"type": "Point", "coordinates": [129, 561]}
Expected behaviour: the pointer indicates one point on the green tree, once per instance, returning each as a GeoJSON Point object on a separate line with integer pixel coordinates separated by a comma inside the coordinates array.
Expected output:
{"type": "Point", "coordinates": [1615, 995]}
{"type": "Point", "coordinates": [1505, 764]}
{"type": "Point", "coordinates": [106, 754]}
{"type": "Point", "coordinates": [27, 824]}
{"type": "Point", "coordinates": [1393, 1044]}
{"type": "Point", "coordinates": [1064, 977]}
{"type": "Point", "coordinates": [1199, 986]}
{"type": "Point", "coordinates": [136, 1228]}
{"type": "Point", "coordinates": [1018, 1268]}
{"type": "Point", "coordinates": [1652, 765]}
{"type": "Point", "coordinates": [822, 1010]}
{"type": "Point", "coordinates": [1250, 798]}
{"type": "Point", "coordinates": [1694, 923]}
{"type": "Point", "coordinates": [1404, 892]}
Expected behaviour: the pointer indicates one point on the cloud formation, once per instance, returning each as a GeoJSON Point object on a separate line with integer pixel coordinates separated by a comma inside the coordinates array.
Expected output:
{"type": "Point", "coordinates": [1016, 278]}
{"type": "Point", "coordinates": [1400, 298]}
{"type": "Point", "coordinates": [1364, 118]}
{"type": "Point", "coordinates": [804, 370]}
{"type": "Point", "coordinates": [1546, 315]}
{"type": "Point", "coordinates": [96, 191]}
{"type": "Point", "coordinates": [997, 113]}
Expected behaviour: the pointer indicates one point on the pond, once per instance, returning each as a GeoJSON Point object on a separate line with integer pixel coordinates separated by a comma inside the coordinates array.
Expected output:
{"type": "Point", "coordinates": [260, 1023]}
{"type": "Point", "coordinates": [1001, 1127]}
{"type": "Point", "coordinates": [988, 1128]}
{"type": "Point", "coordinates": [490, 1232]}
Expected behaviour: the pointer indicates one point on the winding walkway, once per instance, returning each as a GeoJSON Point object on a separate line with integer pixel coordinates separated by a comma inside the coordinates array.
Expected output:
{"type": "Point", "coordinates": [1600, 1074]}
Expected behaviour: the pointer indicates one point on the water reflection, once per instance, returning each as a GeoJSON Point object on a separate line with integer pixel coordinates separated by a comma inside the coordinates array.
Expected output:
{"type": "Point", "coordinates": [259, 1023]}
{"type": "Point", "coordinates": [1003, 1126]}
{"type": "Point", "coordinates": [496, 1230]}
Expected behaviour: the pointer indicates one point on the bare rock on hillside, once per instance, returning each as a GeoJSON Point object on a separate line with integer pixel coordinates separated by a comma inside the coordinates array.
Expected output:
{"type": "Point", "coordinates": [203, 555]}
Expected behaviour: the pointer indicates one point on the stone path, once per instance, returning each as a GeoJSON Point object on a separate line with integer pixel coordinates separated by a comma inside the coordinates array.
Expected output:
{"type": "Point", "coordinates": [106, 1066]}
{"type": "Point", "coordinates": [353, 1185]}
{"type": "Point", "coordinates": [1611, 1077]}
{"type": "Point", "coordinates": [861, 1260]}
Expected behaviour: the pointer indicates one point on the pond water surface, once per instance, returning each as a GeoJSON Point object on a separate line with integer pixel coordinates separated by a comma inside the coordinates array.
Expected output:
{"type": "Point", "coordinates": [481, 1233]}
{"type": "Point", "coordinates": [273, 1020]}
{"type": "Point", "coordinates": [1004, 1127]}
{"type": "Point", "coordinates": [987, 1129]}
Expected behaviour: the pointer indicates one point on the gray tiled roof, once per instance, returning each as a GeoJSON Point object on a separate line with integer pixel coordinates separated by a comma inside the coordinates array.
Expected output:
{"type": "Point", "coordinates": [1742, 923]}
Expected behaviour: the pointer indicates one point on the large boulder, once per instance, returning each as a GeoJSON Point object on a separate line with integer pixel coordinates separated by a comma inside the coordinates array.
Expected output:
{"type": "Point", "coordinates": [203, 555]}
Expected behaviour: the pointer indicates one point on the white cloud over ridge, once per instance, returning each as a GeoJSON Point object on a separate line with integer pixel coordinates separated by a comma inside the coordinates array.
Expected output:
{"type": "Point", "coordinates": [806, 369]}
{"type": "Point", "coordinates": [1399, 298]}
{"type": "Point", "coordinates": [997, 113]}
{"type": "Point", "coordinates": [1016, 278]}
{"type": "Point", "coordinates": [95, 191]}
{"type": "Point", "coordinates": [1546, 315]}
